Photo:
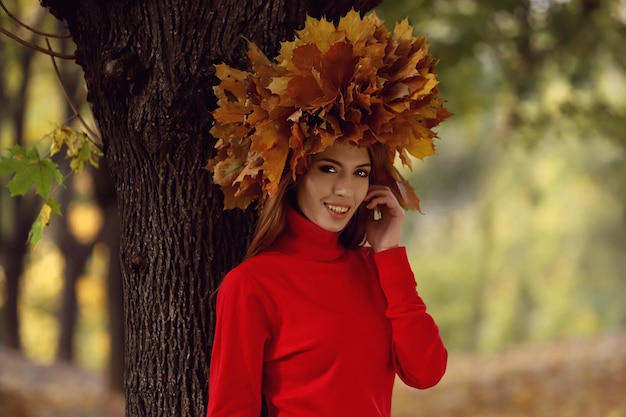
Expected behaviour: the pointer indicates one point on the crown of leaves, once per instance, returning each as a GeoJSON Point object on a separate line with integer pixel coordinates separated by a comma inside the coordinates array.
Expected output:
{"type": "Point", "coordinates": [353, 82]}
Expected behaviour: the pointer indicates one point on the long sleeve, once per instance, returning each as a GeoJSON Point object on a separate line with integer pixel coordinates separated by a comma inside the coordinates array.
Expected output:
{"type": "Point", "coordinates": [419, 354]}
{"type": "Point", "coordinates": [242, 332]}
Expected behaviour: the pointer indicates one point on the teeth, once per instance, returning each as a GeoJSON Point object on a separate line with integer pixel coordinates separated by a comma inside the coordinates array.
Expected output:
{"type": "Point", "coordinates": [337, 209]}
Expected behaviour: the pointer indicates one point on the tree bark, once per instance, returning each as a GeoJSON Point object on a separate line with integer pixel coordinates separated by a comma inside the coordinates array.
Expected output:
{"type": "Point", "coordinates": [148, 69]}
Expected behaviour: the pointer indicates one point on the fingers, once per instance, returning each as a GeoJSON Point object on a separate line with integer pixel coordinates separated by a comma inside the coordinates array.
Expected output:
{"type": "Point", "coordinates": [385, 229]}
{"type": "Point", "coordinates": [380, 195]}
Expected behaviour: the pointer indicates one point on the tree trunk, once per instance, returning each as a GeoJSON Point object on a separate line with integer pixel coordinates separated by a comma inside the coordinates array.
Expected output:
{"type": "Point", "coordinates": [148, 68]}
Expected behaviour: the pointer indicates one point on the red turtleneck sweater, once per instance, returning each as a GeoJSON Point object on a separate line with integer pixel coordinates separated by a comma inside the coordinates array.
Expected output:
{"type": "Point", "coordinates": [320, 330]}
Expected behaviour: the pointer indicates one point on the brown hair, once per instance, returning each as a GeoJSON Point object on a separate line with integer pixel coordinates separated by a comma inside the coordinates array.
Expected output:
{"type": "Point", "coordinates": [273, 218]}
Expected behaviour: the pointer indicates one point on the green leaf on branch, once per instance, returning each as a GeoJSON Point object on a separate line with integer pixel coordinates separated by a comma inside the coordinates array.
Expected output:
{"type": "Point", "coordinates": [55, 206]}
{"type": "Point", "coordinates": [28, 170]}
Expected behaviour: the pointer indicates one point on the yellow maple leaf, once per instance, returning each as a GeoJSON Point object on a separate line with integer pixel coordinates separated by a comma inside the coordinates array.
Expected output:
{"type": "Point", "coordinates": [402, 30]}
{"type": "Point", "coordinates": [357, 30]}
{"type": "Point", "coordinates": [319, 32]}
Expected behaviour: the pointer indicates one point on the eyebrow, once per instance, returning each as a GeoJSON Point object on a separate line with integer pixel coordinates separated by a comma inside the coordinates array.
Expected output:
{"type": "Point", "coordinates": [333, 161]}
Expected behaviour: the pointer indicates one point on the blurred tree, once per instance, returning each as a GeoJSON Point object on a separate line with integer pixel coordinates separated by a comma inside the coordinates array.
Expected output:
{"type": "Point", "coordinates": [17, 214]}
{"type": "Point", "coordinates": [15, 222]}
{"type": "Point", "coordinates": [509, 52]}
{"type": "Point", "coordinates": [519, 72]}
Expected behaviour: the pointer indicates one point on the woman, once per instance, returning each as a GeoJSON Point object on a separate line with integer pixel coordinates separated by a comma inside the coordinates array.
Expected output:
{"type": "Point", "coordinates": [324, 312]}
{"type": "Point", "coordinates": [317, 328]}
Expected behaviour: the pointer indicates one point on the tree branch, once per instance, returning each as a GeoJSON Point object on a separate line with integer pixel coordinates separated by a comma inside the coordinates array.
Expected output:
{"type": "Point", "coordinates": [24, 25]}
{"type": "Point", "coordinates": [92, 134]}
{"type": "Point", "coordinates": [36, 47]}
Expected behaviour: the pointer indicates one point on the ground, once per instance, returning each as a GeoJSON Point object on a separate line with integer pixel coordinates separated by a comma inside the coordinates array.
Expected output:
{"type": "Point", "coordinates": [570, 378]}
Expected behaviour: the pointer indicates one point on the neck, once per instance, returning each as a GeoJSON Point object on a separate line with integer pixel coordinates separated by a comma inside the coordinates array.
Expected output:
{"type": "Point", "coordinates": [304, 239]}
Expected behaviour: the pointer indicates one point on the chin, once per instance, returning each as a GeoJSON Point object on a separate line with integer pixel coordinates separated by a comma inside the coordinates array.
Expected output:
{"type": "Point", "coordinates": [334, 229]}
{"type": "Point", "coordinates": [333, 225]}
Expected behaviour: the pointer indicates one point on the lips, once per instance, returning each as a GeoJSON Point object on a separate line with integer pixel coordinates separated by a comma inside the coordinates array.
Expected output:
{"type": "Point", "coordinates": [337, 209]}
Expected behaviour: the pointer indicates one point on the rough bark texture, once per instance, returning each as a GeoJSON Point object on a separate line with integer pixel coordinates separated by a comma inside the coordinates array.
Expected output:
{"type": "Point", "coordinates": [148, 70]}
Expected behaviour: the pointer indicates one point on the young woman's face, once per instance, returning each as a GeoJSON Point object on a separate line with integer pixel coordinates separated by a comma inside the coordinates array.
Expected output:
{"type": "Point", "coordinates": [336, 183]}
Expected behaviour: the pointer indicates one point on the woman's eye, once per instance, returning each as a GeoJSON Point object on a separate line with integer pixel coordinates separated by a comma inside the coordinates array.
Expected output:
{"type": "Point", "coordinates": [328, 168]}
{"type": "Point", "coordinates": [363, 173]}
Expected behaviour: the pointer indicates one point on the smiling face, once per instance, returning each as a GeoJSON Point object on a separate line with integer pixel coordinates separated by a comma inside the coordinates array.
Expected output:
{"type": "Point", "coordinates": [336, 183]}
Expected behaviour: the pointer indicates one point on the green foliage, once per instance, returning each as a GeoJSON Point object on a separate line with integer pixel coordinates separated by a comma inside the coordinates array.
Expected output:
{"type": "Point", "coordinates": [29, 170]}
{"type": "Point", "coordinates": [508, 53]}
{"type": "Point", "coordinates": [524, 227]}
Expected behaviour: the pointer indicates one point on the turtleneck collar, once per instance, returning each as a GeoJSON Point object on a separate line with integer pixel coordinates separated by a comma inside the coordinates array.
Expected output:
{"type": "Point", "coordinates": [304, 239]}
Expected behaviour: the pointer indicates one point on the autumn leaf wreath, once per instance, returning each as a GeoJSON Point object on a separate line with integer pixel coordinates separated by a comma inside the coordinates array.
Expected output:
{"type": "Point", "coordinates": [352, 82]}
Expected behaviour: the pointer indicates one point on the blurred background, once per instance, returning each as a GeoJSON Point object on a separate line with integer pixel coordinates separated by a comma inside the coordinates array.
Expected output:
{"type": "Point", "coordinates": [519, 250]}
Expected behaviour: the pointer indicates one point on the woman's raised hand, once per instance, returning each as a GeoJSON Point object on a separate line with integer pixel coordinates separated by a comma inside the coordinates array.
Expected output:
{"type": "Point", "coordinates": [384, 228]}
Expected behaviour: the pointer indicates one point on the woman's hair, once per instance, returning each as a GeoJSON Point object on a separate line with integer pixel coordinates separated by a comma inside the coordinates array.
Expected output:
{"type": "Point", "coordinates": [273, 218]}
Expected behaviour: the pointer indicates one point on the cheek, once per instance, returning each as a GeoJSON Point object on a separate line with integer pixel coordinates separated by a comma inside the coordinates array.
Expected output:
{"type": "Point", "coordinates": [300, 194]}
{"type": "Point", "coordinates": [305, 192]}
{"type": "Point", "coordinates": [362, 191]}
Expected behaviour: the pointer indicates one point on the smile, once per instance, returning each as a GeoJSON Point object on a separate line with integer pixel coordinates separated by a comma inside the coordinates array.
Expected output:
{"type": "Point", "coordinates": [337, 209]}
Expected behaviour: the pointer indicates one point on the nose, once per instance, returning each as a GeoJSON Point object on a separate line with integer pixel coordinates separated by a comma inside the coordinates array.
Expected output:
{"type": "Point", "coordinates": [343, 185]}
